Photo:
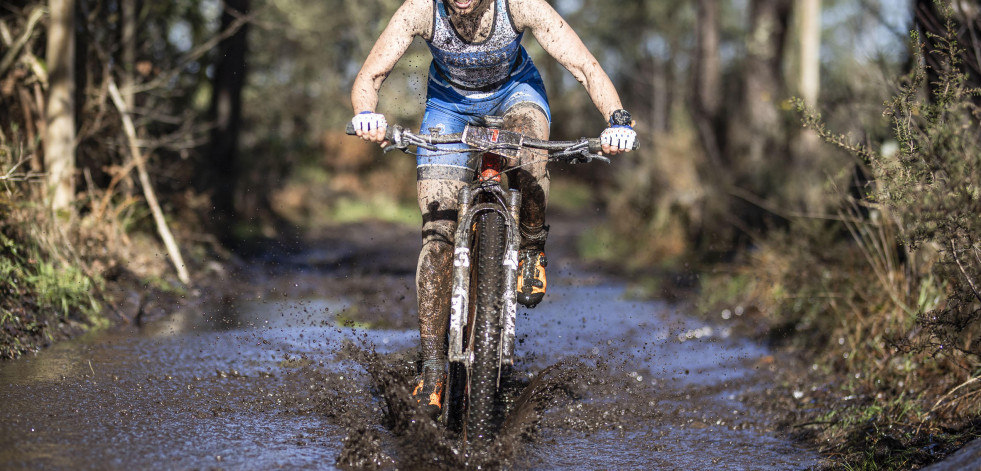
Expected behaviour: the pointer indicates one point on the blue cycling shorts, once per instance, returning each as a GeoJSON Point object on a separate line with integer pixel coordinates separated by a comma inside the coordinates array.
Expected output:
{"type": "Point", "coordinates": [449, 110]}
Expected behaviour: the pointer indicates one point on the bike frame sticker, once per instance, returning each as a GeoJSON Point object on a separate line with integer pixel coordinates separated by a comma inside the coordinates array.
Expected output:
{"type": "Point", "coordinates": [456, 307]}
{"type": "Point", "coordinates": [511, 259]}
{"type": "Point", "coordinates": [511, 310]}
{"type": "Point", "coordinates": [462, 257]}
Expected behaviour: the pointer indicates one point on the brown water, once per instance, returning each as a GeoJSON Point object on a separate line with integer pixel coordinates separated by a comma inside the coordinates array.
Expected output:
{"type": "Point", "coordinates": [609, 383]}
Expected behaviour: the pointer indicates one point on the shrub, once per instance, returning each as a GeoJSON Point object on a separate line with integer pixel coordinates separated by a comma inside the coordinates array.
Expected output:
{"type": "Point", "coordinates": [903, 303]}
{"type": "Point", "coordinates": [42, 295]}
{"type": "Point", "coordinates": [932, 186]}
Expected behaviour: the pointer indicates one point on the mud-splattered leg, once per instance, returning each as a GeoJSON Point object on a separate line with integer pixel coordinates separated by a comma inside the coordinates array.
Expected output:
{"type": "Point", "coordinates": [437, 200]}
{"type": "Point", "coordinates": [532, 179]}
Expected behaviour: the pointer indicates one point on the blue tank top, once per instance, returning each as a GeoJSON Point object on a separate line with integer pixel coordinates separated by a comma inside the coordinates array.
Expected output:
{"type": "Point", "coordinates": [483, 65]}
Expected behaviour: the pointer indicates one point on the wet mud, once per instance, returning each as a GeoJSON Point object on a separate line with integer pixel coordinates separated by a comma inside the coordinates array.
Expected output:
{"type": "Point", "coordinates": [310, 368]}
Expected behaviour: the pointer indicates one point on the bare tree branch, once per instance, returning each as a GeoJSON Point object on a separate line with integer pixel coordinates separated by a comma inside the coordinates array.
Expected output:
{"type": "Point", "coordinates": [14, 51]}
{"type": "Point", "coordinates": [196, 53]}
{"type": "Point", "coordinates": [953, 253]}
{"type": "Point", "coordinates": [151, 197]}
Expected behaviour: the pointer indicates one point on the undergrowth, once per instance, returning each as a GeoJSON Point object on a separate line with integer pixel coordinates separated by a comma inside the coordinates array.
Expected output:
{"type": "Point", "coordinates": [44, 295]}
{"type": "Point", "coordinates": [883, 296]}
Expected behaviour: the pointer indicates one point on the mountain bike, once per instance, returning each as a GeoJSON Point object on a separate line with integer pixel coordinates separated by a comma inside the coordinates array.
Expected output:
{"type": "Point", "coordinates": [483, 304]}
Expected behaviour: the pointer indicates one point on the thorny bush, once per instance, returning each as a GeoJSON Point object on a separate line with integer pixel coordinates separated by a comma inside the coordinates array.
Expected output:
{"type": "Point", "coordinates": [908, 325]}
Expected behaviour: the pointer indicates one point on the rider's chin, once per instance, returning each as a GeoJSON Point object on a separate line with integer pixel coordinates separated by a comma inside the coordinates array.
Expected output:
{"type": "Point", "coordinates": [464, 6]}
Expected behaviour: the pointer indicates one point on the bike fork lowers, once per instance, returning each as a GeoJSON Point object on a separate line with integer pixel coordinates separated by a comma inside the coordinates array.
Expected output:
{"type": "Point", "coordinates": [460, 295]}
{"type": "Point", "coordinates": [509, 309]}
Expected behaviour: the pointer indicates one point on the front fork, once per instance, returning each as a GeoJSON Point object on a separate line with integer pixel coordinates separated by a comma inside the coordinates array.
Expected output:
{"type": "Point", "coordinates": [509, 308]}
{"type": "Point", "coordinates": [460, 294]}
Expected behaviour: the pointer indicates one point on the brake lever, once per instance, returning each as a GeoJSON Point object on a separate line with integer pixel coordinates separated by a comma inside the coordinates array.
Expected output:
{"type": "Point", "coordinates": [421, 142]}
{"type": "Point", "coordinates": [591, 157]}
{"type": "Point", "coordinates": [586, 157]}
{"type": "Point", "coordinates": [399, 141]}
{"type": "Point", "coordinates": [580, 153]}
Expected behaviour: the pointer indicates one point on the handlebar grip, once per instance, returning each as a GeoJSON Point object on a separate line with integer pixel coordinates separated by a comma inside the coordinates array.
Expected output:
{"type": "Point", "coordinates": [595, 146]}
{"type": "Point", "coordinates": [389, 131]}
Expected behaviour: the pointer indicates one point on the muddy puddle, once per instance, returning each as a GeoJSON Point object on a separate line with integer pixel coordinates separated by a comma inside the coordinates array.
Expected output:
{"type": "Point", "coordinates": [602, 382]}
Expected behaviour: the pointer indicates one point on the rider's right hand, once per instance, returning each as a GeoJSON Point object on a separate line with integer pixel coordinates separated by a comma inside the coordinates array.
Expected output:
{"type": "Point", "coordinates": [370, 126]}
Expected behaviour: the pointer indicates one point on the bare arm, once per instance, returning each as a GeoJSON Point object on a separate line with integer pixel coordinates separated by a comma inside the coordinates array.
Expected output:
{"type": "Point", "coordinates": [562, 43]}
{"type": "Point", "coordinates": [413, 18]}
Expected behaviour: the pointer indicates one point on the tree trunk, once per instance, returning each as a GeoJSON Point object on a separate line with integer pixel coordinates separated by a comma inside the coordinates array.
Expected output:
{"type": "Point", "coordinates": [707, 68]}
{"type": "Point", "coordinates": [59, 147]}
{"type": "Point", "coordinates": [809, 17]}
{"type": "Point", "coordinates": [755, 132]}
{"type": "Point", "coordinates": [806, 146]}
{"type": "Point", "coordinates": [128, 38]}
{"type": "Point", "coordinates": [226, 111]}
{"type": "Point", "coordinates": [127, 65]}
{"type": "Point", "coordinates": [707, 80]}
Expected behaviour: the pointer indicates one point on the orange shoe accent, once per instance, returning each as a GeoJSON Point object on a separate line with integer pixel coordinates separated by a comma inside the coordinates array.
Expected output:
{"type": "Point", "coordinates": [436, 397]}
{"type": "Point", "coordinates": [532, 282]}
{"type": "Point", "coordinates": [433, 400]}
{"type": "Point", "coordinates": [540, 276]}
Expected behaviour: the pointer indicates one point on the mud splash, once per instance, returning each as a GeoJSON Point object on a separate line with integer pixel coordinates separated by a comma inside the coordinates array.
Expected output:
{"type": "Point", "coordinates": [421, 443]}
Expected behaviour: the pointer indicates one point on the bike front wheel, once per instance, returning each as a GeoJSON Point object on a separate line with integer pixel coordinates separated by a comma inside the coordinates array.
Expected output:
{"type": "Point", "coordinates": [485, 370]}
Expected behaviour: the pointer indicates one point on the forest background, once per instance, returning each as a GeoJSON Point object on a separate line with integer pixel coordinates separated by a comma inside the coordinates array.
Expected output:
{"type": "Point", "coordinates": [810, 167]}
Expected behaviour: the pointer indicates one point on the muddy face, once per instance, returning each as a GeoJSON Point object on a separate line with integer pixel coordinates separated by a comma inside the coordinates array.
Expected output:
{"type": "Point", "coordinates": [473, 19]}
{"type": "Point", "coordinates": [465, 8]}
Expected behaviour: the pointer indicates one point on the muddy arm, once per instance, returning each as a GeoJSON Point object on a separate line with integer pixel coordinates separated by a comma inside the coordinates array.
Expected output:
{"type": "Point", "coordinates": [562, 43]}
{"type": "Point", "coordinates": [413, 18]}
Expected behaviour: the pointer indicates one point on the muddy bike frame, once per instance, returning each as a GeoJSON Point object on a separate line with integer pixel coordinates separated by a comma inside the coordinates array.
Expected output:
{"type": "Point", "coordinates": [486, 194]}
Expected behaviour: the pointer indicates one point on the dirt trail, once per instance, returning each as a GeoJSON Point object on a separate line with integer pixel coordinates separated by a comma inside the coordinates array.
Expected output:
{"type": "Point", "coordinates": [307, 367]}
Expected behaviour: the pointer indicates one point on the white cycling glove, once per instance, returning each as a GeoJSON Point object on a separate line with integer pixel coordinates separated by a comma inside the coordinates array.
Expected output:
{"type": "Point", "coordinates": [619, 137]}
{"type": "Point", "coordinates": [368, 121]}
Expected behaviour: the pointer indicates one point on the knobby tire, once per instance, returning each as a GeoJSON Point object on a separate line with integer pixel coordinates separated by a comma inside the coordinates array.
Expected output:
{"type": "Point", "coordinates": [491, 241]}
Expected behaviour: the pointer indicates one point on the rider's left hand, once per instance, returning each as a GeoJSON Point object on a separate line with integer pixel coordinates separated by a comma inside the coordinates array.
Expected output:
{"type": "Point", "coordinates": [618, 138]}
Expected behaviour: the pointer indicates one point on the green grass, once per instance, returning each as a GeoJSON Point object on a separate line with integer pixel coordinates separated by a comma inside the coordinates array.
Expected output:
{"type": "Point", "coordinates": [64, 289]}
{"type": "Point", "coordinates": [38, 296]}
{"type": "Point", "coordinates": [570, 195]}
{"type": "Point", "coordinates": [600, 244]}
{"type": "Point", "coordinates": [379, 208]}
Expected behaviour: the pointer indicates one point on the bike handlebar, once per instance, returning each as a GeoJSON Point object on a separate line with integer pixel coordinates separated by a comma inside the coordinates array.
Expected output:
{"type": "Point", "coordinates": [401, 138]}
